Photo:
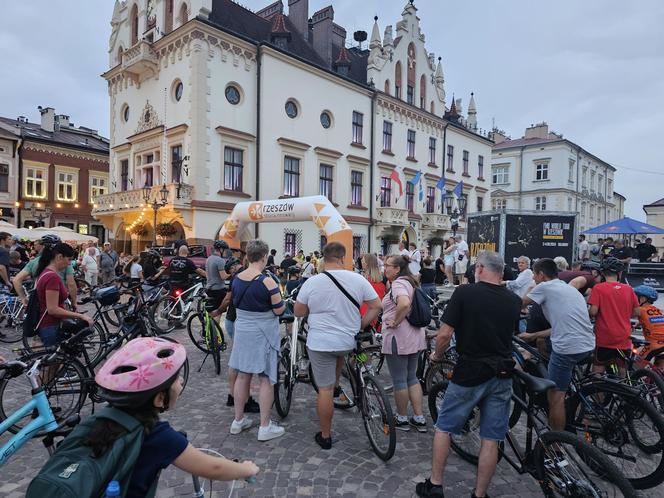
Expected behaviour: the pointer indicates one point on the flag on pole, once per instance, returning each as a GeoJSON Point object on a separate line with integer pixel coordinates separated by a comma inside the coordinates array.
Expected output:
{"type": "Point", "coordinates": [396, 176]}
{"type": "Point", "coordinates": [441, 185]}
{"type": "Point", "coordinates": [458, 190]}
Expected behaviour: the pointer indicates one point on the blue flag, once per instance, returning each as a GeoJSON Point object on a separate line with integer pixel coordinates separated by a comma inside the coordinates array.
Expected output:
{"type": "Point", "coordinates": [458, 190]}
{"type": "Point", "coordinates": [421, 191]}
{"type": "Point", "coordinates": [441, 184]}
{"type": "Point", "coordinates": [416, 178]}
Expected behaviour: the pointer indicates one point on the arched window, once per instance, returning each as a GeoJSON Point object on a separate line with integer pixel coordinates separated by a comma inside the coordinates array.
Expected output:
{"type": "Point", "coordinates": [387, 87]}
{"type": "Point", "coordinates": [120, 50]}
{"type": "Point", "coordinates": [423, 92]}
{"type": "Point", "coordinates": [168, 16]}
{"type": "Point", "coordinates": [134, 24]}
{"type": "Point", "coordinates": [397, 80]}
{"type": "Point", "coordinates": [412, 67]}
{"type": "Point", "coordinates": [432, 110]}
{"type": "Point", "coordinates": [184, 14]}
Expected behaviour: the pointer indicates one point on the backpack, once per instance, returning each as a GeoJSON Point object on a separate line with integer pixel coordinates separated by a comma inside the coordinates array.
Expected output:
{"type": "Point", "coordinates": [73, 472]}
{"type": "Point", "coordinates": [32, 317]}
{"type": "Point", "coordinates": [420, 309]}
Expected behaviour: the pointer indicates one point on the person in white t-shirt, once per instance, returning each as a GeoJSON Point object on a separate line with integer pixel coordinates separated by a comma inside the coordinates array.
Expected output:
{"type": "Point", "coordinates": [89, 266]}
{"type": "Point", "coordinates": [134, 270]}
{"type": "Point", "coordinates": [461, 256]}
{"type": "Point", "coordinates": [415, 256]}
{"type": "Point", "coordinates": [402, 249]}
{"type": "Point", "coordinates": [334, 320]}
{"type": "Point", "coordinates": [308, 268]}
{"type": "Point", "coordinates": [584, 248]}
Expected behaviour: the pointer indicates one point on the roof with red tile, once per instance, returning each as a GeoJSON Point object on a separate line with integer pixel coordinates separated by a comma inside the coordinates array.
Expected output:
{"type": "Point", "coordinates": [279, 25]}
{"type": "Point", "coordinates": [343, 59]}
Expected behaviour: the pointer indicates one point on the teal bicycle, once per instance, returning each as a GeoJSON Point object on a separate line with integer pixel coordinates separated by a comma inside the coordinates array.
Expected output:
{"type": "Point", "coordinates": [43, 423]}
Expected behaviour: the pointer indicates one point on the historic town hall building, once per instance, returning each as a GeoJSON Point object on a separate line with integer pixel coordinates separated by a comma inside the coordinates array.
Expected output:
{"type": "Point", "coordinates": [212, 104]}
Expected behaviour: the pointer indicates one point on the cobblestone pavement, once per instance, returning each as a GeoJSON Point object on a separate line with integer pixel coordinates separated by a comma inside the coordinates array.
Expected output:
{"type": "Point", "coordinates": [292, 465]}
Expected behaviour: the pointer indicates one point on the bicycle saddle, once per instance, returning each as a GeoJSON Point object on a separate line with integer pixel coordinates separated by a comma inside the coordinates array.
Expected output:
{"type": "Point", "coordinates": [534, 384]}
{"type": "Point", "coordinates": [286, 319]}
{"type": "Point", "coordinates": [637, 341]}
{"type": "Point", "coordinates": [363, 336]}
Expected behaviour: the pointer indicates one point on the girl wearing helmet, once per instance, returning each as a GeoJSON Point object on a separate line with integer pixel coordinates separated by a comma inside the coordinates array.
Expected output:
{"type": "Point", "coordinates": [651, 320]}
{"type": "Point", "coordinates": [143, 379]}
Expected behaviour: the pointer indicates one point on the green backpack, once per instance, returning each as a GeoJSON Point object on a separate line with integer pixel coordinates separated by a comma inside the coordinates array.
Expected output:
{"type": "Point", "coordinates": [73, 472]}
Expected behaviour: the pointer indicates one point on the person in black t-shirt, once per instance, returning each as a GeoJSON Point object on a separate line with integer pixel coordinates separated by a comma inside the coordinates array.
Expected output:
{"type": "Point", "coordinates": [483, 317]}
{"type": "Point", "coordinates": [181, 268]}
{"type": "Point", "coordinates": [428, 278]}
{"type": "Point", "coordinates": [645, 251]}
{"type": "Point", "coordinates": [287, 262]}
{"type": "Point", "coordinates": [439, 266]}
{"type": "Point", "coordinates": [622, 251]}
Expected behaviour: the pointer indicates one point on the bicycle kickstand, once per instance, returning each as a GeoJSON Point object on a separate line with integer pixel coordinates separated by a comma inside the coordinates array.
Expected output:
{"type": "Point", "coordinates": [203, 362]}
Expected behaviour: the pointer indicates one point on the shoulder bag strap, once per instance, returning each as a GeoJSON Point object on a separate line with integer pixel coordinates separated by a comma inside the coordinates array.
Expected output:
{"type": "Point", "coordinates": [36, 297]}
{"type": "Point", "coordinates": [345, 292]}
{"type": "Point", "coordinates": [239, 300]}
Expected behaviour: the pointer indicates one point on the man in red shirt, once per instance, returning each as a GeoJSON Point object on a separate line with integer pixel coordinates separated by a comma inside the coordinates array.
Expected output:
{"type": "Point", "coordinates": [612, 304]}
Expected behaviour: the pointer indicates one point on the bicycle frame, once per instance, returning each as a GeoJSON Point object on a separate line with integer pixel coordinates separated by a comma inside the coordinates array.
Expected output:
{"type": "Point", "coordinates": [186, 298]}
{"type": "Point", "coordinates": [45, 419]}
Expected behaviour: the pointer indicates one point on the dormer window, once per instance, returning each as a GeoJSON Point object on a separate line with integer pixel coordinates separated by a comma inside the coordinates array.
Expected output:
{"type": "Point", "coordinates": [342, 64]}
{"type": "Point", "coordinates": [280, 35]}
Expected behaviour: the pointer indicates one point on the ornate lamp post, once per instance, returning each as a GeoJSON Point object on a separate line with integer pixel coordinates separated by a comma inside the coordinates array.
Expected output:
{"type": "Point", "coordinates": [40, 214]}
{"type": "Point", "coordinates": [156, 205]}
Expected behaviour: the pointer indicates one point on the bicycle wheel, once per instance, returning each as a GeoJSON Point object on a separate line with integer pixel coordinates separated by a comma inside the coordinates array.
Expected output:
{"type": "Point", "coordinates": [196, 331]}
{"type": "Point", "coordinates": [378, 419]}
{"type": "Point", "coordinates": [376, 357]}
{"type": "Point", "coordinates": [66, 390]}
{"type": "Point", "coordinates": [626, 427]}
{"type": "Point", "coordinates": [652, 385]}
{"type": "Point", "coordinates": [565, 465]}
{"type": "Point", "coordinates": [436, 372]}
{"type": "Point", "coordinates": [345, 399]}
{"type": "Point", "coordinates": [167, 314]}
{"type": "Point", "coordinates": [214, 333]}
{"type": "Point", "coordinates": [11, 330]}
{"type": "Point", "coordinates": [114, 314]}
{"type": "Point", "coordinates": [283, 389]}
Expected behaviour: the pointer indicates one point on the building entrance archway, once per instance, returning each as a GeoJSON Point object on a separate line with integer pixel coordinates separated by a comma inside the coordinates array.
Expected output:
{"type": "Point", "coordinates": [317, 208]}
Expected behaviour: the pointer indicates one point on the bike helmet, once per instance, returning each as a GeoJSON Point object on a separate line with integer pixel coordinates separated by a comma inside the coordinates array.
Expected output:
{"type": "Point", "coordinates": [220, 245]}
{"type": "Point", "coordinates": [591, 265]}
{"type": "Point", "coordinates": [613, 265]}
{"type": "Point", "coordinates": [646, 291]}
{"type": "Point", "coordinates": [230, 263]}
{"type": "Point", "coordinates": [50, 239]}
{"type": "Point", "coordinates": [143, 368]}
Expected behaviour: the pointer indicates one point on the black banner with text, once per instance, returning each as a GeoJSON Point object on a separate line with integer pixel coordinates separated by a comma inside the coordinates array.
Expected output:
{"type": "Point", "coordinates": [538, 237]}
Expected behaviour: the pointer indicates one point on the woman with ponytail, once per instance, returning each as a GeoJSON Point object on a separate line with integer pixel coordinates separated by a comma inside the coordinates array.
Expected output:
{"type": "Point", "coordinates": [52, 293]}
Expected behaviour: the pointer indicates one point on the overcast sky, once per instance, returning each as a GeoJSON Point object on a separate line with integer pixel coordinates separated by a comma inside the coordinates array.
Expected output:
{"type": "Point", "coordinates": [594, 70]}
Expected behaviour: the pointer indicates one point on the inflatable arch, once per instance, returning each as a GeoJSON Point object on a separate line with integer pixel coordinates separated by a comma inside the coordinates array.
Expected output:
{"type": "Point", "coordinates": [316, 208]}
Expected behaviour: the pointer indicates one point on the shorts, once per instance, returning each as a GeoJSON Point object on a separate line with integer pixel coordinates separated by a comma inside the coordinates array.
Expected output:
{"type": "Point", "coordinates": [493, 399]}
{"type": "Point", "coordinates": [610, 356]}
{"type": "Point", "coordinates": [561, 367]}
{"type": "Point", "coordinates": [324, 366]}
{"type": "Point", "coordinates": [461, 266]}
{"type": "Point", "coordinates": [230, 328]}
{"type": "Point", "coordinates": [215, 297]}
{"type": "Point", "coordinates": [50, 336]}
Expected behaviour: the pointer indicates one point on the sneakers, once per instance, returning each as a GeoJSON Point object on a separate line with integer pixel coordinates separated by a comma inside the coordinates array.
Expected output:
{"type": "Point", "coordinates": [272, 431]}
{"type": "Point", "coordinates": [402, 424]}
{"type": "Point", "coordinates": [323, 442]}
{"type": "Point", "coordinates": [242, 425]}
{"type": "Point", "coordinates": [427, 489]}
{"type": "Point", "coordinates": [420, 426]}
{"type": "Point", "coordinates": [340, 398]}
{"type": "Point", "coordinates": [475, 496]}
{"type": "Point", "coordinates": [251, 406]}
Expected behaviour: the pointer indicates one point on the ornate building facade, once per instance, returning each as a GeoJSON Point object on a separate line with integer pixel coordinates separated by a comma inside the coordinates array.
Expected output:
{"type": "Point", "coordinates": [212, 104]}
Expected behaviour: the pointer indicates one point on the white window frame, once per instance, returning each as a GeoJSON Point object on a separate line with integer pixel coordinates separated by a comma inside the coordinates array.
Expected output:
{"type": "Point", "coordinates": [497, 204]}
{"type": "Point", "coordinates": [59, 171]}
{"type": "Point", "coordinates": [43, 180]}
{"type": "Point", "coordinates": [540, 203]}
{"type": "Point", "coordinates": [541, 171]}
{"type": "Point", "coordinates": [500, 173]}
{"type": "Point", "coordinates": [93, 187]}
{"type": "Point", "coordinates": [140, 167]}
{"type": "Point", "coordinates": [570, 174]}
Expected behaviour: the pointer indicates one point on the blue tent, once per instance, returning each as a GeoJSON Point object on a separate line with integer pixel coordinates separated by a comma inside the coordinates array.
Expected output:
{"type": "Point", "coordinates": [625, 226]}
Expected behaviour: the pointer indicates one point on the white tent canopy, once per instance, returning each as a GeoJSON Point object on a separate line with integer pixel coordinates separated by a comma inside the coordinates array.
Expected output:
{"type": "Point", "coordinates": [66, 234]}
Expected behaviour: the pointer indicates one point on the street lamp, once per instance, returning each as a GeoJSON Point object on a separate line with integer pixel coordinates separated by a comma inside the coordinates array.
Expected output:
{"type": "Point", "coordinates": [448, 203]}
{"type": "Point", "coordinates": [40, 214]}
{"type": "Point", "coordinates": [156, 205]}
{"type": "Point", "coordinates": [462, 204]}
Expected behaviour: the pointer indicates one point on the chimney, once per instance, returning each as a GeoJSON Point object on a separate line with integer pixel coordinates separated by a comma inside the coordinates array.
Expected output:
{"type": "Point", "coordinates": [323, 22]}
{"type": "Point", "coordinates": [298, 13]}
{"type": "Point", "coordinates": [540, 130]}
{"type": "Point", "coordinates": [63, 119]}
{"type": "Point", "coordinates": [271, 10]}
{"type": "Point", "coordinates": [47, 118]}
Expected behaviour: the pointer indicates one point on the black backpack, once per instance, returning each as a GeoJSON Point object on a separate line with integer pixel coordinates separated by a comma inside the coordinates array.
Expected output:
{"type": "Point", "coordinates": [420, 309]}
{"type": "Point", "coordinates": [32, 316]}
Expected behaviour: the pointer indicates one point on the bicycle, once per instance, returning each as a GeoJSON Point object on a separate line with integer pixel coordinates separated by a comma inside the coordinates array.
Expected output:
{"type": "Point", "coordinates": [171, 311]}
{"type": "Point", "coordinates": [12, 310]}
{"type": "Point", "coordinates": [72, 382]}
{"type": "Point", "coordinates": [370, 399]}
{"type": "Point", "coordinates": [612, 416]}
{"type": "Point", "coordinates": [562, 463]}
{"type": "Point", "coordinates": [207, 335]}
{"type": "Point", "coordinates": [43, 423]}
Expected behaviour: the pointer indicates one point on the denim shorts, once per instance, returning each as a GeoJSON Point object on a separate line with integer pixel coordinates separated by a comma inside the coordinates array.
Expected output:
{"type": "Point", "coordinates": [230, 328]}
{"type": "Point", "coordinates": [561, 367]}
{"type": "Point", "coordinates": [50, 336]}
{"type": "Point", "coordinates": [492, 398]}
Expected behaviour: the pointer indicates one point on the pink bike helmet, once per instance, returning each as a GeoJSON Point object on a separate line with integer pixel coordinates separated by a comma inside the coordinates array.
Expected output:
{"type": "Point", "coordinates": [139, 370]}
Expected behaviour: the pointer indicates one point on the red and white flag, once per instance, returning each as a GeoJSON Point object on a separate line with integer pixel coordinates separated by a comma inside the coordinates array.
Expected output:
{"type": "Point", "coordinates": [397, 176]}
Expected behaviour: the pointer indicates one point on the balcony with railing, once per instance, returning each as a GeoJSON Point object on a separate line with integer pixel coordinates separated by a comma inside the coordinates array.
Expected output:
{"type": "Point", "coordinates": [391, 216]}
{"type": "Point", "coordinates": [130, 200]}
{"type": "Point", "coordinates": [140, 60]}
{"type": "Point", "coordinates": [435, 221]}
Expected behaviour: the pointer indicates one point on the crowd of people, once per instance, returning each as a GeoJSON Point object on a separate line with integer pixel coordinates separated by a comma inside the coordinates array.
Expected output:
{"type": "Point", "coordinates": [571, 313]}
{"type": "Point", "coordinates": [625, 250]}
